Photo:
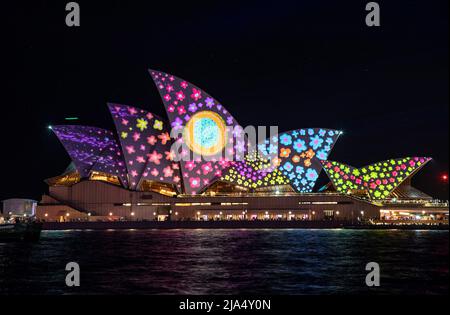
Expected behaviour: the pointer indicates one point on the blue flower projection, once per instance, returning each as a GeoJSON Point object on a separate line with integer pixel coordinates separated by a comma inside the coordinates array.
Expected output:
{"type": "Point", "coordinates": [300, 153]}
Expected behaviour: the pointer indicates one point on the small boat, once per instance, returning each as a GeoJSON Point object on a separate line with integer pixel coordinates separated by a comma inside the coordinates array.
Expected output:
{"type": "Point", "coordinates": [20, 231]}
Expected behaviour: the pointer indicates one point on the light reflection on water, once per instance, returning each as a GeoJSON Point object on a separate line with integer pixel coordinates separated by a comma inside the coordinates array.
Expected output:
{"type": "Point", "coordinates": [228, 262]}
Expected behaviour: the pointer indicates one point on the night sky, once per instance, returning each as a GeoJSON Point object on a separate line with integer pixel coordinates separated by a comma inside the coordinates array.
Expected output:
{"type": "Point", "coordinates": [293, 64]}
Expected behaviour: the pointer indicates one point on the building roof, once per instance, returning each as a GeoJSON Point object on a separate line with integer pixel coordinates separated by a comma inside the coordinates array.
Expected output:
{"type": "Point", "coordinates": [206, 121]}
{"type": "Point", "coordinates": [146, 145]}
{"type": "Point", "coordinates": [379, 179]}
{"type": "Point", "coordinates": [202, 143]}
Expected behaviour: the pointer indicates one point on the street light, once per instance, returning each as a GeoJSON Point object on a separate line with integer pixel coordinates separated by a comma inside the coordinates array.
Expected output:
{"type": "Point", "coordinates": [444, 179]}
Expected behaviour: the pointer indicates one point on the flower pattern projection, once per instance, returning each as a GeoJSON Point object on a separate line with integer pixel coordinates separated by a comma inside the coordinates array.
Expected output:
{"type": "Point", "coordinates": [146, 143]}
{"type": "Point", "coordinates": [112, 162]}
{"type": "Point", "coordinates": [299, 154]}
{"type": "Point", "coordinates": [254, 172]}
{"type": "Point", "coordinates": [378, 179]}
{"type": "Point", "coordinates": [191, 109]}
{"type": "Point", "coordinates": [84, 145]}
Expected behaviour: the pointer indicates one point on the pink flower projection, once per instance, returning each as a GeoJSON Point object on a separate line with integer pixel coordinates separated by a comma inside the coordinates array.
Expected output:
{"type": "Point", "coordinates": [146, 145]}
{"type": "Point", "coordinates": [182, 101]}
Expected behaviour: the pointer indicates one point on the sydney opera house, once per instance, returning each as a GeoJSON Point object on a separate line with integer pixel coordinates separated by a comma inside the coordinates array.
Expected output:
{"type": "Point", "coordinates": [133, 173]}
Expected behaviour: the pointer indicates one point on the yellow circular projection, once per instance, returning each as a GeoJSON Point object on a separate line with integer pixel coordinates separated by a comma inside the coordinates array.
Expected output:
{"type": "Point", "coordinates": [206, 133]}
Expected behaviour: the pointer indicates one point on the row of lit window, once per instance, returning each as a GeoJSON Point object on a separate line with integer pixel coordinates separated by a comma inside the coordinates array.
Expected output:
{"type": "Point", "coordinates": [187, 204]}
{"type": "Point", "coordinates": [317, 203]}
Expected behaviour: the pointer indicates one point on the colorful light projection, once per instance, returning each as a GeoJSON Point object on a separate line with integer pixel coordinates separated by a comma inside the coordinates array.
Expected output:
{"type": "Point", "coordinates": [203, 121]}
{"type": "Point", "coordinates": [83, 144]}
{"type": "Point", "coordinates": [255, 172]}
{"type": "Point", "coordinates": [299, 154]}
{"type": "Point", "coordinates": [146, 143]}
{"type": "Point", "coordinates": [378, 179]}
{"type": "Point", "coordinates": [205, 133]}
{"type": "Point", "coordinates": [112, 162]}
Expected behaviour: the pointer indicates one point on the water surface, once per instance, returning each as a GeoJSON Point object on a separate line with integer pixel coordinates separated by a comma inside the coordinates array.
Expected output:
{"type": "Point", "coordinates": [228, 262]}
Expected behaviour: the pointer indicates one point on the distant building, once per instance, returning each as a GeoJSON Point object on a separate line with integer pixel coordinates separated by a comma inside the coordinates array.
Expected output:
{"type": "Point", "coordinates": [132, 174]}
{"type": "Point", "coordinates": [19, 207]}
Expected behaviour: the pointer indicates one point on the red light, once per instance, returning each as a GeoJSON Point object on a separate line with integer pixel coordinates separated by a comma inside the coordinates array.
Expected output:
{"type": "Point", "coordinates": [444, 177]}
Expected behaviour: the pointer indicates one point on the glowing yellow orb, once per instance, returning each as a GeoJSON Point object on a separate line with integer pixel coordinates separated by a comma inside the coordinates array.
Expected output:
{"type": "Point", "coordinates": [205, 133]}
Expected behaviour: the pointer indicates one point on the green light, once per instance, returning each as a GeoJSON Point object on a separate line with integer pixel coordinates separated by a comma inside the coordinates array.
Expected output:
{"type": "Point", "coordinates": [71, 118]}
{"type": "Point", "coordinates": [50, 127]}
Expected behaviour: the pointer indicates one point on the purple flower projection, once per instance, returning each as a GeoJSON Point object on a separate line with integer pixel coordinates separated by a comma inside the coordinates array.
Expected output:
{"type": "Point", "coordinates": [300, 152]}
{"type": "Point", "coordinates": [83, 144]}
{"type": "Point", "coordinates": [112, 162]}
{"type": "Point", "coordinates": [191, 107]}
{"type": "Point", "coordinates": [146, 143]}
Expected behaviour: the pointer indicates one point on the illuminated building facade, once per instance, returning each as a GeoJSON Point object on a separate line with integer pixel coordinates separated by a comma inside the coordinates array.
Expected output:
{"type": "Point", "coordinates": [133, 173]}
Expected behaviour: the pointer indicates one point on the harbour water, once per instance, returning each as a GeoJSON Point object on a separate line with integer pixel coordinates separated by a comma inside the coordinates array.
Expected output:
{"type": "Point", "coordinates": [202, 261]}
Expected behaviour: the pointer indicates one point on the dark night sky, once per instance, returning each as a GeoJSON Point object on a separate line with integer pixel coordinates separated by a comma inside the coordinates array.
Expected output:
{"type": "Point", "coordinates": [288, 63]}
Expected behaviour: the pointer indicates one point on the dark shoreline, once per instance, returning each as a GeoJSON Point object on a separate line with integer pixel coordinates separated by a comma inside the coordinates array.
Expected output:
{"type": "Point", "coordinates": [121, 225]}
